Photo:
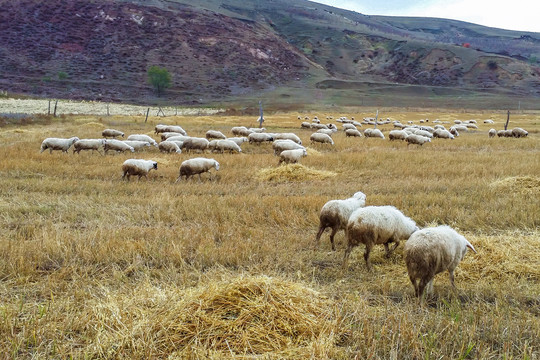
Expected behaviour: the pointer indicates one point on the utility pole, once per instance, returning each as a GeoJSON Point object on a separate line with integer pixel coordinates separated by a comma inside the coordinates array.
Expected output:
{"type": "Point", "coordinates": [261, 118]}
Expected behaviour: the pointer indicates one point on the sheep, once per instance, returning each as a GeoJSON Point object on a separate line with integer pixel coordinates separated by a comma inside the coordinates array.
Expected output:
{"type": "Point", "coordinates": [88, 144]}
{"type": "Point", "coordinates": [259, 138]}
{"type": "Point", "coordinates": [443, 134]}
{"type": "Point", "coordinates": [167, 135]}
{"type": "Point", "coordinates": [332, 127]}
{"type": "Point", "coordinates": [117, 145]}
{"type": "Point", "coordinates": [423, 133]}
{"type": "Point", "coordinates": [214, 134]}
{"type": "Point", "coordinates": [454, 131]}
{"type": "Point", "coordinates": [227, 145]}
{"type": "Point", "coordinates": [137, 167]}
{"type": "Point", "coordinates": [335, 214]}
{"type": "Point", "coordinates": [240, 131]}
{"type": "Point", "coordinates": [519, 132]}
{"type": "Point", "coordinates": [178, 137]}
{"type": "Point", "coordinates": [441, 127]}
{"type": "Point", "coordinates": [328, 132]}
{"type": "Point", "coordinates": [397, 135]}
{"type": "Point", "coordinates": [292, 156]}
{"type": "Point", "coordinates": [288, 136]}
{"type": "Point", "coordinates": [194, 143]}
{"type": "Point", "coordinates": [492, 133]}
{"type": "Point", "coordinates": [431, 251]}
{"type": "Point", "coordinates": [459, 128]}
{"type": "Point", "coordinates": [111, 133]}
{"type": "Point", "coordinates": [376, 133]}
{"type": "Point", "coordinates": [239, 140]}
{"type": "Point", "coordinates": [348, 126]}
{"type": "Point", "coordinates": [471, 126]}
{"type": "Point", "coordinates": [374, 225]}
{"type": "Point", "coordinates": [143, 137]}
{"type": "Point", "coordinates": [305, 125]}
{"type": "Point", "coordinates": [196, 166]}
{"type": "Point", "coordinates": [504, 133]}
{"type": "Point", "coordinates": [351, 132]}
{"type": "Point", "coordinates": [136, 144]}
{"type": "Point", "coordinates": [160, 128]}
{"type": "Point", "coordinates": [281, 145]}
{"type": "Point", "coordinates": [319, 126]}
{"type": "Point", "coordinates": [488, 121]}
{"type": "Point", "coordinates": [257, 130]}
{"type": "Point", "coordinates": [416, 139]}
{"type": "Point", "coordinates": [58, 144]}
{"type": "Point", "coordinates": [321, 138]}
{"type": "Point", "coordinates": [169, 146]}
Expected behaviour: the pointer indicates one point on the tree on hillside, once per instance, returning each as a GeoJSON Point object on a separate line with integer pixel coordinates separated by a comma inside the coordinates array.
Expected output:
{"type": "Point", "coordinates": [159, 78]}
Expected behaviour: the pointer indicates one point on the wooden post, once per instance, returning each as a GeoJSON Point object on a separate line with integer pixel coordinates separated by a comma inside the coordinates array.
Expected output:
{"type": "Point", "coordinates": [49, 110]}
{"type": "Point", "coordinates": [261, 117]}
{"type": "Point", "coordinates": [108, 110]}
{"type": "Point", "coordinates": [160, 110]}
{"type": "Point", "coordinates": [147, 112]}
{"type": "Point", "coordinates": [507, 120]}
{"type": "Point", "coordinates": [55, 103]}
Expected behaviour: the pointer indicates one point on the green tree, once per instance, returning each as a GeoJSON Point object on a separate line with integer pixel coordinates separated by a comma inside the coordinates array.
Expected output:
{"type": "Point", "coordinates": [159, 78]}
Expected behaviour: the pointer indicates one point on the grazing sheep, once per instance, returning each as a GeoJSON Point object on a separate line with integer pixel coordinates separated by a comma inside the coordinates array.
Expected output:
{"type": "Point", "coordinates": [214, 134]}
{"type": "Point", "coordinates": [374, 225]}
{"type": "Point", "coordinates": [169, 147]}
{"type": "Point", "coordinates": [504, 133]}
{"type": "Point", "coordinates": [459, 128]}
{"type": "Point", "coordinates": [111, 133]}
{"type": "Point", "coordinates": [443, 134]}
{"type": "Point", "coordinates": [58, 144]}
{"type": "Point", "coordinates": [397, 135]}
{"type": "Point", "coordinates": [292, 156]}
{"type": "Point", "coordinates": [178, 138]}
{"type": "Point", "coordinates": [454, 131]}
{"type": "Point", "coordinates": [288, 136]}
{"type": "Point", "coordinates": [259, 138]}
{"type": "Point", "coordinates": [168, 135]}
{"type": "Point", "coordinates": [305, 125]}
{"type": "Point", "coordinates": [488, 121]}
{"type": "Point", "coordinates": [423, 133]}
{"type": "Point", "coordinates": [375, 133]}
{"type": "Point", "coordinates": [117, 145]}
{"type": "Point", "coordinates": [88, 144]}
{"type": "Point", "coordinates": [319, 126]}
{"type": "Point", "coordinates": [335, 214]}
{"type": "Point", "coordinates": [492, 133]}
{"type": "Point", "coordinates": [519, 132]}
{"type": "Point", "coordinates": [328, 132]}
{"type": "Point", "coordinates": [239, 140]}
{"type": "Point", "coordinates": [348, 126]}
{"type": "Point", "coordinates": [143, 137]}
{"type": "Point", "coordinates": [471, 126]}
{"type": "Point", "coordinates": [240, 131]}
{"type": "Point", "coordinates": [195, 143]}
{"type": "Point", "coordinates": [257, 130]}
{"type": "Point", "coordinates": [431, 251]}
{"type": "Point", "coordinates": [160, 128]}
{"type": "Point", "coordinates": [321, 138]}
{"type": "Point", "coordinates": [351, 132]}
{"type": "Point", "coordinates": [282, 145]}
{"type": "Point", "coordinates": [137, 167]}
{"type": "Point", "coordinates": [196, 166]}
{"type": "Point", "coordinates": [227, 145]}
{"type": "Point", "coordinates": [416, 139]}
{"type": "Point", "coordinates": [136, 144]}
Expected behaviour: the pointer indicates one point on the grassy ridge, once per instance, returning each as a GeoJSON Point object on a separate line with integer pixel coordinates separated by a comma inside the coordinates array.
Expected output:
{"type": "Point", "coordinates": [91, 266]}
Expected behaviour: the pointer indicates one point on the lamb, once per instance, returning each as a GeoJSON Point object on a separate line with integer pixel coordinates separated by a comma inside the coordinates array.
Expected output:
{"type": "Point", "coordinates": [259, 138]}
{"type": "Point", "coordinates": [321, 138]}
{"type": "Point", "coordinates": [143, 137]}
{"type": "Point", "coordinates": [374, 225]}
{"type": "Point", "coordinates": [416, 139]}
{"type": "Point", "coordinates": [58, 144]}
{"type": "Point", "coordinates": [351, 132]}
{"type": "Point", "coordinates": [169, 147]}
{"type": "Point", "coordinates": [519, 132]}
{"type": "Point", "coordinates": [281, 145]}
{"type": "Point", "coordinates": [227, 145]}
{"type": "Point", "coordinates": [194, 143]}
{"type": "Point", "coordinates": [288, 136]}
{"type": "Point", "coordinates": [443, 134]}
{"type": "Point", "coordinates": [196, 166]}
{"type": "Point", "coordinates": [111, 133]}
{"type": "Point", "coordinates": [138, 167]}
{"type": "Point", "coordinates": [492, 133]}
{"type": "Point", "coordinates": [431, 251]}
{"type": "Point", "coordinates": [214, 134]}
{"type": "Point", "coordinates": [117, 145]}
{"type": "Point", "coordinates": [136, 144]}
{"type": "Point", "coordinates": [88, 144]}
{"type": "Point", "coordinates": [291, 156]}
{"type": "Point", "coordinates": [376, 133]}
{"type": "Point", "coordinates": [397, 135]}
{"type": "Point", "coordinates": [335, 214]}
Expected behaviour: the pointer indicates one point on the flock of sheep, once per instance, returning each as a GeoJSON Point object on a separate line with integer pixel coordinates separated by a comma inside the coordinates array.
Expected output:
{"type": "Point", "coordinates": [428, 251]}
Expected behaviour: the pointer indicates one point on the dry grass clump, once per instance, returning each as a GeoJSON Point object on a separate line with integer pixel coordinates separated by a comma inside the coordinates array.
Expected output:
{"type": "Point", "coordinates": [523, 184]}
{"type": "Point", "coordinates": [293, 172]}
{"type": "Point", "coordinates": [94, 125]}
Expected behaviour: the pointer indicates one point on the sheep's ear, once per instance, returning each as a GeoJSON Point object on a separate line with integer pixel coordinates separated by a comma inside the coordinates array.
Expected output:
{"type": "Point", "coordinates": [469, 245]}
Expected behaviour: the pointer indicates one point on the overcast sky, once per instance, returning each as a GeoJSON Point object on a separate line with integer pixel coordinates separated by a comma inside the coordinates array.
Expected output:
{"type": "Point", "coordinates": [523, 15]}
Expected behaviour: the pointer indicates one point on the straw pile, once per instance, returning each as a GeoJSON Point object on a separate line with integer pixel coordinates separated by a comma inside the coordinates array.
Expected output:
{"type": "Point", "coordinates": [523, 184]}
{"type": "Point", "coordinates": [293, 172]}
{"type": "Point", "coordinates": [251, 316]}
{"type": "Point", "coordinates": [94, 124]}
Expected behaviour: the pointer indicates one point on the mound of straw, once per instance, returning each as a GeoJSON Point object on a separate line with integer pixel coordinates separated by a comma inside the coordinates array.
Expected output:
{"type": "Point", "coordinates": [313, 152]}
{"type": "Point", "coordinates": [94, 124]}
{"type": "Point", "coordinates": [293, 172]}
{"type": "Point", "coordinates": [523, 184]}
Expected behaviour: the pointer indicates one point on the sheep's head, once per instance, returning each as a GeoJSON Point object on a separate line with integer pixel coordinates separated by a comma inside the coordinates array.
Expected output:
{"type": "Point", "coordinates": [216, 165]}
{"type": "Point", "coordinates": [154, 164]}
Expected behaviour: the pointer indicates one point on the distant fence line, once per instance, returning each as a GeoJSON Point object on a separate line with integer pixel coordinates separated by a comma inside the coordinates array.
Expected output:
{"type": "Point", "coordinates": [33, 106]}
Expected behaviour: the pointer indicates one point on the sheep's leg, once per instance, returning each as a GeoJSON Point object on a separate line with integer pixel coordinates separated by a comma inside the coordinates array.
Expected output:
{"type": "Point", "coordinates": [366, 256]}
{"type": "Point", "coordinates": [335, 229]}
{"type": "Point", "coordinates": [319, 233]}
{"type": "Point", "coordinates": [422, 286]}
{"type": "Point", "coordinates": [346, 257]}
{"type": "Point", "coordinates": [451, 275]}
{"type": "Point", "coordinates": [415, 285]}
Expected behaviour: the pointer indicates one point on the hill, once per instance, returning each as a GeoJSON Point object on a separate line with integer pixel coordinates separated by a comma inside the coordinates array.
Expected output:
{"type": "Point", "coordinates": [233, 51]}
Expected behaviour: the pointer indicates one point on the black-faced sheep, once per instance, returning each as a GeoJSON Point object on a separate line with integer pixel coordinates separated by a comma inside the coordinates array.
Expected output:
{"type": "Point", "coordinates": [137, 167]}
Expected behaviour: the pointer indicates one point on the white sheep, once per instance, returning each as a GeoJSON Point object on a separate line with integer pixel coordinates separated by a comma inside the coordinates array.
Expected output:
{"type": "Point", "coordinates": [353, 133]}
{"type": "Point", "coordinates": [58, 144]}
{"type": "Point", "coordinates": [431, 251]}
{"type": "Point", "coordinates": [117, 145]}
{"type": "Point", "coordinates": [227, 145]}
{"type": "Point", "coordinates": [88, 144]}
{"type": "Point", "coordinates": [259, 138]}
{"type": "Point", "coordinates": [239, 140]}
{"type": "Point", "coordinates": [321, 138]}
{"type": "Point", "coordinates": [504, 133]}
{"type": "Point", "coordinates": [335, 215]}
{"type": "Point", "coordinates": [240, 131]}
{"type": "Point", "coordinates": [137, 167]}
{"type": "Point", "coordinates": [288, 136]}
{"type": "Point", "coordinates": [443, 134]}
{"type": "Point", "coordinates": [397, 135]}
{"type": "Point", "coordinates": [195, 143]}
{"type": "Point", "coordinates": [143, 137]}
{"type": "Point", "coordinates": [492, 133]}
{"type": "Point", "coordinates": [111, 133]}
{"type": "Point", "coordinates": [488, 121]}
{"type": "Point", "coordinates": [169, 147]}
{"type": "Point", "coordinates": [136, 144]}
{"type": "Point", "coordinates": [281, 145]}
{"type": "Point", "coordinates": [196, 166]}
{"type": "Point", "coordinates": [177, 137]}
{"type": "Point", "coordinates": [374, 133]}
{"type": "Point", "coordinates": [348, 126]}
{"type": "Point", "coordinates": [328, 132]}
{"type": "Point", "coordinates": [319, 126]}
{"type": "Point", "coordinates": [519, 132]}
{"type": "Point", "coordinates": [374, 225]}
{"type": "Point", "coordinates": [160, 128]}
{"type": "Point", "coordinates": [167, 135]}
{"type": "Point", "coordinates": [214, 134]}
{"type": "Point", "coordinates": [416, 139]}
{"type": "Point", "coordinates": [423, 133]}
{"type": "Point", "coordinates": [292, 156]}
{"type": "Point", "coordinates": [305, 125]}
{"type": "Point", "coordinates": [257, 130]}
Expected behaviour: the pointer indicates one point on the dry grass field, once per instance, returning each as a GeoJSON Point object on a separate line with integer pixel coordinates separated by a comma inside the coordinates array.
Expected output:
{"type": "Point", "coordinates": [95, 267]}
